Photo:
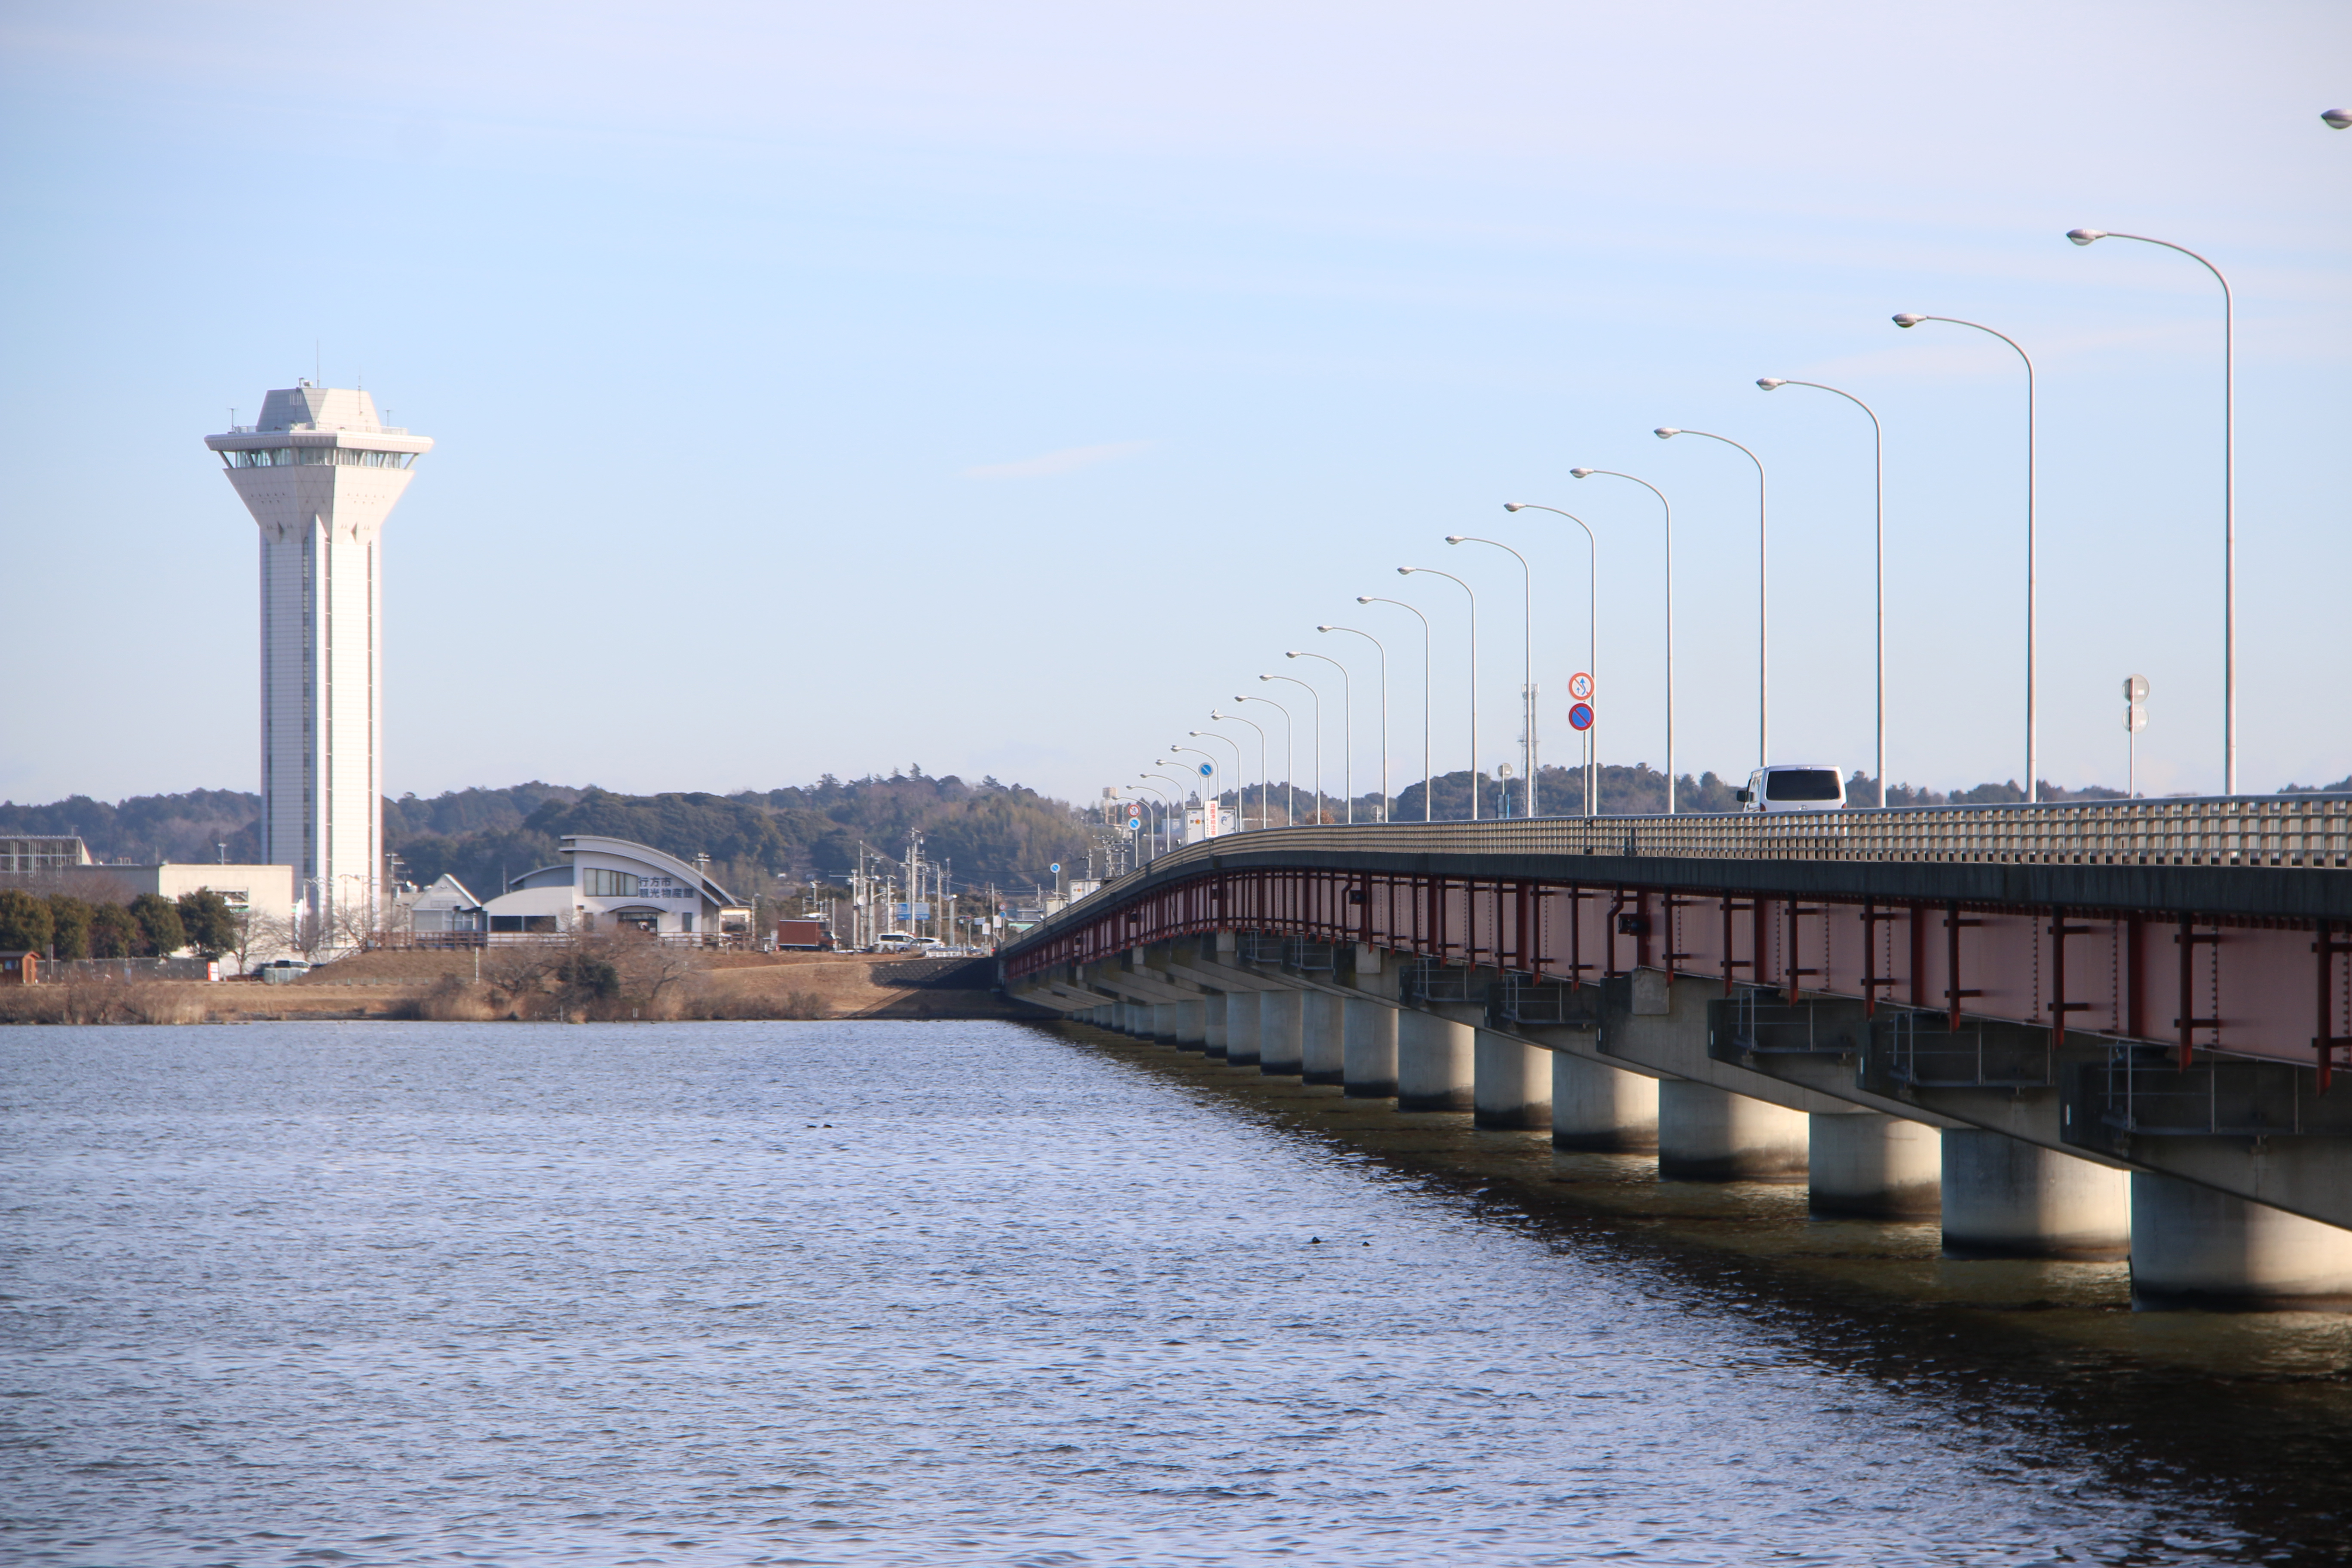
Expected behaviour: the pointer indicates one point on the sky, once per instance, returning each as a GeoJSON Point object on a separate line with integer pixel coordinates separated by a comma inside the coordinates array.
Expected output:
{"type": "Point", "coordinates": [999, 390]}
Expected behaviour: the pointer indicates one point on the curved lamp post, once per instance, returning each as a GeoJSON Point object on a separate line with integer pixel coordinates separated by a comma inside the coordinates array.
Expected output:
{"type": "Point", "coordinates": [1591, 637]}
{"type": "Point", "coordinates": [1347, 728]}
{"type": "Point", "coordinates": [1264, 818]}
{"type": "Point", "coordinates": [1428, 784]}
{"type": "Point", "coordinates": [1409, 570]}
{"type": "Point", "coordinates": [2229, 491]}
{"type": "Point", "coordinates": [1763, 639]}
{"type": "Point", "coordinates": [2337, 118]}
{"type": "Point", "coordinates": [1384, 710]}
{"type": "Point", "coordinates": [1527, 663]}
{"type": "Point", "coordinates": [1215, 784]}
{"type": "Point", "coordinates": [1289, 769]}
{"type": "Point", "coordinates": [2033, 670]}
{"type": "Point", "coordinates": [1878, 447]}
{"type": "Point", "coordinates": [1318, 696]}
{"type": "Point", "coordinates": [1613, 473]}
{"type": "Point", "coordinates": [1241, 773]}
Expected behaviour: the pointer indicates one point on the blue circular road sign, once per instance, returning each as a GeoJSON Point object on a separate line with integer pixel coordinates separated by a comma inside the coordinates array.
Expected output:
{"type": "Point", "coordinates": [1580, 716]}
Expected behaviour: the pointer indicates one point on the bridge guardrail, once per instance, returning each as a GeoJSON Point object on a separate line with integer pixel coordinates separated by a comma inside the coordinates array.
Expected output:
{"type": "Point", "coordinates": [2299, 830]}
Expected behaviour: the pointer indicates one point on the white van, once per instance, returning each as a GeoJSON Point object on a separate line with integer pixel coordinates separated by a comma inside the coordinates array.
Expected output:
{"type": "Point", "coordinates": [1786, 786]}
{"type": "Point", "coordinates": [894, 941]}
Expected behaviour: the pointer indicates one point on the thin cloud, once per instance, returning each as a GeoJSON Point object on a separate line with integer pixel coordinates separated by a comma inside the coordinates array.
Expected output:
{"type": "Point", "coordinates": [1060, 462]}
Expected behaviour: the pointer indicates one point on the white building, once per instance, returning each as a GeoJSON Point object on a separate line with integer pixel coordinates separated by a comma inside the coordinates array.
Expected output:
{"type": "Point", "coordinates": [321, 473]}
{"type": "Point", "coordinates": [607, 882]}
{"type": "Point", "coordinates": [445, 908]}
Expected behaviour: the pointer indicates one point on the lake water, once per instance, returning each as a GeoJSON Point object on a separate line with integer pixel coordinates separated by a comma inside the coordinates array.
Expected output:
{"type": "Point", "coordinates": [972, 1293]}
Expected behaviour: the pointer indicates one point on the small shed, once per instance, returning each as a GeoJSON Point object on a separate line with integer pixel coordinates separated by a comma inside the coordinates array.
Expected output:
{"type": "Point", "coordinates": [20, 968]}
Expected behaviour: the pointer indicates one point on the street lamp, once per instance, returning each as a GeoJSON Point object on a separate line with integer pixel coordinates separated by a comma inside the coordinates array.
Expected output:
{"type": "Point", "coordinates": [1265, 817]}
{"type": "Point", "coordinates": [1318, 697]}
{"type": "Point", "coordinates": [1346, 728]}
{"type": "Point", "coordinates": [1428, 783]}
{"type": "Point", "coordinates": [1290, 767]}
{"type": "Point", "coordinates": [1613, 473]}
{"type": "Point", "coordinates": [1409, 570]}
{"type": "Point", "coordinates": [1241, 774]}
{"type": "Point", "coordinates": [2338, 118]}
{"type": "Point", "coordinates": [2033, 683]}
{"type": "Point", "coordinates": [1591, 641]}
{"type": "Point", "coordinates": [1879, 447]}
{"type": "Point", "coordinates": [1527, 663]}
{"type": "Point", "coordinates": [1215, 788]}
{"type": "Point", "coordinates": [2229, 487]}
{"type": "Point", "coordinates": [1384, 710]}
{"type": "Point", "coordinates": [1763, 641]}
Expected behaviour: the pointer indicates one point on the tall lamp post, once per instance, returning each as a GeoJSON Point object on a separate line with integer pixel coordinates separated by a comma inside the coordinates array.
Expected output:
{"type": "Point", "coordinates": [2032, 673]}
{"type": "Point", "coordinates": [1289, 765]}
{"type": "Point", "coordinates": [2229, 493]}
{"type": "Point", "coordinates": [1409, 570]}
{"type": "Point", "coordinates": [1241, 773]}
{"type": "Point", "coordinates": [1346, 728]}
{"type": "Point", "coordinates": [1265, 817]}
{"type": "Point", "coordinates": [1613, 473]}
{"type": "Point", "coordinates": [1215, 788]}
{"type": "Point", "coordinates": [1527, 661]}
{"type": "Point", "coordinates": [1384, 710]}
{"type": "Point", "coordinates": [1317, 699]}
{"type": "Point", "coordinates": [1428, 780]}
{"type": "Point", "coordinates": [1763, 640]}
{"type": "Point", "coordinates": [1878, 448]}
{"type": "Point", "coordinates": [1592, 640]}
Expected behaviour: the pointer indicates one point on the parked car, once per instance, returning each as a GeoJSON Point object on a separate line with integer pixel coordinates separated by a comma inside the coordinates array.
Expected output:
{"type": "Point", "coordinates": [894, 941]}
{"type": "Point", "coordinates": [1787, 786]}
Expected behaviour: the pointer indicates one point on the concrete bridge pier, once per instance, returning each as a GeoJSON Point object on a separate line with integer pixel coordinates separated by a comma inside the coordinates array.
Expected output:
{"type": "Point", "coordinates": [1241, 1027]}
{"type": "Point", "coordinates": [1279, 1041]}
{"type": "Point", "coordinates": [1600, 1107]}
{"type": "Point", "coordinates": [2193, 1247]}
{"type": "Point", "coordinates": [1435, 1065]}
{"type": "Point", "coordinates": [2004, 1197]}
{"type": "Point", "coordinates": [1710, 1134]}
{"type": "Point", "coordinates": [1322, 1050]}
{"type": "Point", "coordinates": [1367, 1048]}
{"type": "Point", "coordinates": [1213, 1024]}
{"type": "Point", "coordinates": [1873, 1166]}
{"type": "Point", "coordinates": [1511, 1082]}
{"type": "Point", "coordinates": [1191, 1028]}
{"type": "Point", "coordinates": [1163, 1021]}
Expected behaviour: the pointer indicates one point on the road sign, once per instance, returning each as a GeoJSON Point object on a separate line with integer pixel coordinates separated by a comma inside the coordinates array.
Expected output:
{"type": "Point", "coordinates": [2134, 687]}
{"type": "Point", "coordinates": [1580, 716]}
{"type": "Point", "coordinates": [1579, 686]}
{"type": "Point", "coordinates": [2135, 718]}
{"type": "Point", "coordinates": [1207, 770]}
{"type": "Point", "coordinates": [1055, 867]}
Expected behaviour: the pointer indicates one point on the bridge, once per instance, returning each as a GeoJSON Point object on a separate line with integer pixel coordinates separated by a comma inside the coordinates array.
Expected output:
{"type": "Point", "coordinates": [2088, 1029]}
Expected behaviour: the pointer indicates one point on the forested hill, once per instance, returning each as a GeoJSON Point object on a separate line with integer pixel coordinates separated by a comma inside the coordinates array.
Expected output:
{"type": "Point", "coordinates": [1003, 834]}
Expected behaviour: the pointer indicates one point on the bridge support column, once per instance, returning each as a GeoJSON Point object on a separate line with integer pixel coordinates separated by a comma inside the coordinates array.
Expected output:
{"type": "Point", "coordinates": [1191, 1028]}
{"type": "Point", "coordinates": [1241, 1027]}
{"type": "Point", "coordinates": [2004, 1197]}
{"type": "Point", "coordinates": [1511, 1082]}
{"type": "Point", "coordinates": [1213, 1024]}
{"type": "Point", "coordinates": [1278, 1035]}
{"type": "Point", "coordinates": [1598, 1107]}
{"type": "Point", "coordinates": [1872, 1166]}
{"type": "Point", "coordinates": [2192, 1246]}
{"type": "Point", "coordinates": [1322, 1048]}
{"type": "Point", "coordinates": [1367, 1048]}
{"type": "Point", "coordinates": [1163, 1021]}
{"type": "Point", "coordinates": [1434, 1064]}
{"type": "Point", "coordinates": [1710, 1134]}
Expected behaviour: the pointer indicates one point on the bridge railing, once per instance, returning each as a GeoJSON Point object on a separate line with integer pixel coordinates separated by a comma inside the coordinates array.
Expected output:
{"type": "Point", "coordinates": [2301, 830]}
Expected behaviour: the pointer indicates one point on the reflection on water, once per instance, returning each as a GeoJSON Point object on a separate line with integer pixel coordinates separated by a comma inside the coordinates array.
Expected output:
{"type": "Point", "coordinates": [870, 1293]}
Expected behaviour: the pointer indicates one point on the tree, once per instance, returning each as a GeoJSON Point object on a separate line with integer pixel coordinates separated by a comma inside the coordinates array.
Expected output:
{"type": "Point", "coordinates": [113, 931]}
{"type": "Point", "coordinates": [160, 931]}
{"type": "Point", "coordinates": [25, 923]}
{"type": "Point", "coordinates": [211, 925]}
{"type": "Point", "coordinates": [69, 920]}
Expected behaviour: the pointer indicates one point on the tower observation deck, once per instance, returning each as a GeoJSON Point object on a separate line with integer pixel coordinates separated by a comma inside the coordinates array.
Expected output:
{"type": "Point", "coordinates": [321, 472]}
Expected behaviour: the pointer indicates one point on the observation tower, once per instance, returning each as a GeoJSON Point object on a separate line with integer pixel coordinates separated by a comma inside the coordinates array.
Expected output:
{"type": "Point", "coordinates": [321, 472]}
